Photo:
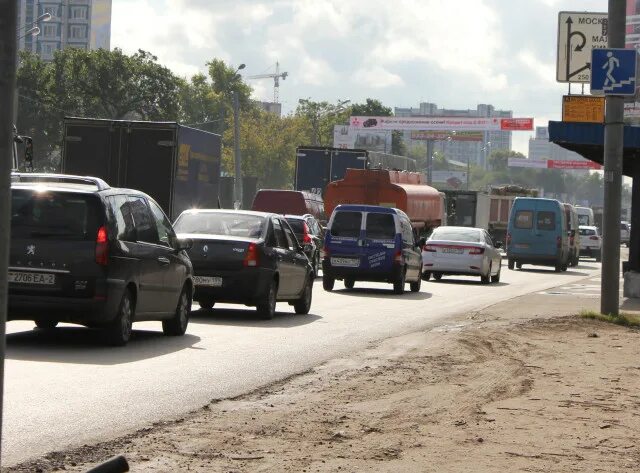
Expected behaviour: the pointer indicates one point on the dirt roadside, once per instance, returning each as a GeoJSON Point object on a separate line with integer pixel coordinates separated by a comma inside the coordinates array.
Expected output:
{"type": "Point", "coordinates": [520, 386]}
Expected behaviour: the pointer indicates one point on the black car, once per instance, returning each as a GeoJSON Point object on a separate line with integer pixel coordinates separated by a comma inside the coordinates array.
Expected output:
{"type": "Point", "coordinates": [309, 234]}
{"type": "Point", "coordinates": [368, 123]}
{"type": "Point", "coordinates": [86, 253]}
{"type": "Point", "coordinates": [245, 257]}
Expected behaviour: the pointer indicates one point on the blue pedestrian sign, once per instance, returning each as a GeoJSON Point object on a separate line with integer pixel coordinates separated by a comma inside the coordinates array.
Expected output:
{"type": "Point", "coordinates": [613, 71]}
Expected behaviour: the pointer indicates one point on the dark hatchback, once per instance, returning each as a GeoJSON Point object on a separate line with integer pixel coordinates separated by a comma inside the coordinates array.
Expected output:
{"type": "Point", "coordinates": [86, 253]}
{"type": "Point", "coordinates": [245, 257]}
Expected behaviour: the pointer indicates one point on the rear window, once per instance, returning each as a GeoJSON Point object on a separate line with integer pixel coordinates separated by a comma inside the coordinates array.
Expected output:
{"type": "Point", "coordinates": [465, 235]}
{"type": "Point", "coordinates": [57, 215]}
{"type": "Point", "coordinates": [297, 226]}
{"type": "Point", "coordinates": [227, 224]}
{"type": "Point", "coordinates": [347, 224]}
{"type": "Point", "coordinates": [524, 219]}
{"type": "Point", "coordinates": [583, 219]}
{"type": "Point", "coordinates": [381, 226]}
{"type": "Point", "coordinates": [587, 231]}
{"type": "Point", "coordinates": [546, 221]}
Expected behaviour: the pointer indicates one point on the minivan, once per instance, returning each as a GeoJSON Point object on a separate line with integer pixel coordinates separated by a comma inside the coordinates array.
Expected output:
{"type": "Point", "coordinates": [537, 234]}
{"type": "Point", "coordinates": [571, 216]}
{"type": "Point", "coordinates": [371, 243]}
{"type": "Point", "coordinates": [287, 202]}
{"type": "Point", "coordinates": [585, 216]}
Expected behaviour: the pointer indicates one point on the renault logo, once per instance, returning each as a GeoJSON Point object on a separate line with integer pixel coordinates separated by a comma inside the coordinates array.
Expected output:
{"type": "Point", "coordinates": [205, 248]}
{"type": "Point", "coordinates": [31, 250]}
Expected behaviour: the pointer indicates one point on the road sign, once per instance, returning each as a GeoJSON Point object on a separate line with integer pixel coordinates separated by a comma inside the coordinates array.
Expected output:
{"type": "Point", "coordinates": [614, 71]}
{"type": "Point", "coordinates": [582, 108]}
{"type": "Point", "coordinates": [578, 33]}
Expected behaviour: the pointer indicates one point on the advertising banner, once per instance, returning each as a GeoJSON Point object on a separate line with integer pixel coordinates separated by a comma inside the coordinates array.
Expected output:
{"type": "Point", "coordinates": [347, 137]}
{"type": "Point", "coordinates": [447, 135]}
{"type": "Point", "coordinates": [527, 163]}
{"type": "Point", "coordinates": [633, 25]}
{"type": "Point", "coordinates": [443, 123]}
{"type": "Point", "coordinates": [556, 164]}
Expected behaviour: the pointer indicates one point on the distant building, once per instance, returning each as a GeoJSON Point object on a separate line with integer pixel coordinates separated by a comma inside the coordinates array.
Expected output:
{"type": "Point", "coordinates": [540, 148]}
{"type": "Point", "coordinates": [473, 146]}
{"type": "Point", "coordinates": [84, 24]}
{"type": "Point", "coordinates": [271, 107]}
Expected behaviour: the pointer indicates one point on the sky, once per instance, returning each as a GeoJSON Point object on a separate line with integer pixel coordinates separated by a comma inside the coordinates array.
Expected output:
{"type": "Point", "coordinates": [454, 53]}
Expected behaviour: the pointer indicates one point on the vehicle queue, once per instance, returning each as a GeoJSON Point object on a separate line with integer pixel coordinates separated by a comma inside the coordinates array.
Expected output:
{"type": "Point", "coordinates": [86, 253]}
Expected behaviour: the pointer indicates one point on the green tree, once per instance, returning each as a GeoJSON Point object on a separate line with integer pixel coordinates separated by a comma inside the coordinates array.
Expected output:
{"type": "Point", "coordinates": [321, 117]}
{"type": "Point", "coordinates": [498, 160]}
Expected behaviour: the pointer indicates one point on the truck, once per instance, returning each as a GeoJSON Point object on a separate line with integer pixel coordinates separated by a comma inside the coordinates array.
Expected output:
{"type": "Point", "coordinates": [488, 210]}
{"type": "Point", "coordinates": [317, 166]}
{"type": "Point", "coordinates": [176, 165]}
{"type": "Point", "coordinates": [407, 191]}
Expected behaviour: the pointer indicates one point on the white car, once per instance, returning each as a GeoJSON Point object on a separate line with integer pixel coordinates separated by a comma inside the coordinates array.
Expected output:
{"type": "Point", "coordinates": [590, 242]}
{"type": "Point", "coordinates": [461, 251]}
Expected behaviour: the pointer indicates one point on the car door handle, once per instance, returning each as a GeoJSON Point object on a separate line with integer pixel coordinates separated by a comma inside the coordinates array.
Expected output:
{"type": "Point", "coordinates": [163, 261]}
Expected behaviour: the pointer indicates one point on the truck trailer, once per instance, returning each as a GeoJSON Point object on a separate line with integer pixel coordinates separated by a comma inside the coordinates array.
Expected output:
{"type": "Point", "coordinates": [176, 165]}
{"type": "Point", "coordinates": [403, 190]}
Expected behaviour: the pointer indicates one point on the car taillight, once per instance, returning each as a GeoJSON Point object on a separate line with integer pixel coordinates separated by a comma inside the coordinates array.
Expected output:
{"type": "Point", "coordinates": [102, 247]}
{"type": "Point", "coordinates": [429, 248]}
{"type": "Point", "coordinates": [476, 251]}
{"type": "Point", "coordinates": [594, 237]}
{"type": "Point", "coordinates": [326, 251]}
{"type": "Point", "coordinates": [306, 238]}
{"type": "Point", "coordinates": [508, 238]}
{"type": "Point", "coordinates": [559, 242]}
{"type": "Point", "coordinates": [251, 257]}
{"type": "Point", "coordinates": [398, 257]}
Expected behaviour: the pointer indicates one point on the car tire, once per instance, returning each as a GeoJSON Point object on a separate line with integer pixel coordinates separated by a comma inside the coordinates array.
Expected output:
{"type": "Point", "coordinates": [349, 283]}
{"type": "Point", "coordinates": [206, 304]}
{"type": "Point", "coordinates": [519, 265]}
{"type": "Point", "coordinates": [598, 256]}
{"type": "Point", "coordinates": [398, 284]}
{"type": "Point", "coordinates": [486, 278]}
{"type": "Point", "coordinates": [511, 264]}
{"type": "Point", "coordinates": [176, 326]}
{"type": "Point", "coordinates": [267, 307]}
{"type": "Point", "coordinates": [415, 286]}
{"type": "Point", "coordinates": [44, 324]}
{"type": "Point", "coordinates": [426, 275]}
{"type": "Point", "coordinates": [303, 305]}
{"type": "Point", "coordinates": [496, 278]}
{"type": "Point", "coordinates": [316, 270]}
{"type": "Point", "coordinates": [328, 282]}
{"type": "Point", "coordinates": [437, 276]}
{"type": "Point", "coordinates": [118, 332]}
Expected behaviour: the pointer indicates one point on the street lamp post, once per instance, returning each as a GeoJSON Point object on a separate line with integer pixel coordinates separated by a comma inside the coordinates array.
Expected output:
{"type": "Point", "coordinates": [236, 147]}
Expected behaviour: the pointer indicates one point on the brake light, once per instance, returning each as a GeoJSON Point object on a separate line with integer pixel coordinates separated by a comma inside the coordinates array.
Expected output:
{"type": "Point", "coordinates": [508, 239]}
{"type": "Point", "coordinates": [251, 257]}
{"type": "Point", "coordinates": [476, 251]}
{"type": "Point", "coordinates": [594, 237]}
{"type": "Point", "coordinates": [398, 257]}
{"type": "Point", "coordinates": [429, 248]}
{"type": "Point", "coordinates": [306, 238]}
{"type": "Point", "coordinates": [102, 247]}
{"type": "Point", "coordinates": [326, 251]}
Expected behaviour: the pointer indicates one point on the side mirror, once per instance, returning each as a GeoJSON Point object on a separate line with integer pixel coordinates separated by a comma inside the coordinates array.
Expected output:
{"type": "Point", "coordinates": [498, 244]}
{"type": "Point", "coordinates": [183, 244]}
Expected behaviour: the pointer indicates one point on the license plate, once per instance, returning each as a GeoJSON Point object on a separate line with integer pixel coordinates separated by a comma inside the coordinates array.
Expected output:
{"type": "Point", "coordinates": [207, 281]}
{"type": "Point", "coordinates": [346, 262]}
{"type": "Point", "coordinates": [42, 279]}
{"type": "Point", "coordinates": [522, 245]}
{"type": "Point", "coordinates": [455, 251]}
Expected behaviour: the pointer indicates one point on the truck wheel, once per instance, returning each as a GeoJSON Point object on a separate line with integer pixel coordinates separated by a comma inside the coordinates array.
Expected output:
{"type": "Point", "coordinates": [511, 264]}
{"type": "Point", "coordinates": [349, 283]}
{"type": "Point", "coordinates": [398, 284]}
{"type": "Point", "coordinates": [328, 282]}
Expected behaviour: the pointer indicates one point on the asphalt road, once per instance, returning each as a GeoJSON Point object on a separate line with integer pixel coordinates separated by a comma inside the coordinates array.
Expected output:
{"type": "Point", "coordinates": [64, 389]}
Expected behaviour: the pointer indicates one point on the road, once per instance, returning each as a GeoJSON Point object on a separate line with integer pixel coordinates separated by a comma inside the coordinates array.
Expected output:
{"type": "Point", "coordinates": [63, 389]}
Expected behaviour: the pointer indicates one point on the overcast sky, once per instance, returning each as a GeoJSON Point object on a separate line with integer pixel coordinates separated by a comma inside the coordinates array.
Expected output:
{"type": "Point", "coordinates": [455, 53]}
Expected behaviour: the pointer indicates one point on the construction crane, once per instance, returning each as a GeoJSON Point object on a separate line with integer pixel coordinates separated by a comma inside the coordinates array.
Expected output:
{"type": "Point", "coordinates": [276, 80]}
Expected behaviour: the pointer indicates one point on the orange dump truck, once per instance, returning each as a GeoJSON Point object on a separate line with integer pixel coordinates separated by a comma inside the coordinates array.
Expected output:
{"type": "Point", "coordinates": [403, 190]}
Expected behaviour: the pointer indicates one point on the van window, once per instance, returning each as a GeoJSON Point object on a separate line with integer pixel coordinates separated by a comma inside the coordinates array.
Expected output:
{"type": "Point", "coordinates": [381, 226]}
{"type": "Point", "coordinates": [524, 219]}
{"type": "Point", "coordinates": [347, 224]}
{"type": "Point", "coordinates": [583, 220]}
{"type": "Point", "coordinates": [546, 221]}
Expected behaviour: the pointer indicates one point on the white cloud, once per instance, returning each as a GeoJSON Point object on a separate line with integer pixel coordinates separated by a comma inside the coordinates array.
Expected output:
{"type": "Point", "coordinates": [376, 77]}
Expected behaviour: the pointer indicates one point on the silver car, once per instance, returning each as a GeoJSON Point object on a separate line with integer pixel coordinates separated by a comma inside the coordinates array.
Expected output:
{"type": "Point", "coordinates": [461, 251]}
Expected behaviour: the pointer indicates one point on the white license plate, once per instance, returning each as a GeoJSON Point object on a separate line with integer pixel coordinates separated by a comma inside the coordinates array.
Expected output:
{"type": "Point", "coordinates": [346, 262]}
{"type": "Point", "coordinates": [32, 278]}
{"type": "Point", "coordinates": [207, 281]}
{"type": "Point", "coordinates": [455, 251]}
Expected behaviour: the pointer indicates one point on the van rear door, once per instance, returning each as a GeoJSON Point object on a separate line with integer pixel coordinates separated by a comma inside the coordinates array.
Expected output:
{"type": "Point", "coordinates": [345, 239]}
{"type": "Point", "coordinates": [381, 241]}
{"type": "Point", "coordinates": [548, 228]}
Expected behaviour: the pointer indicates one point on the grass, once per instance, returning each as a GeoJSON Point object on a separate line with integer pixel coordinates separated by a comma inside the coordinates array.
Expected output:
{"type": "Point", "coordinates": [626, 320]}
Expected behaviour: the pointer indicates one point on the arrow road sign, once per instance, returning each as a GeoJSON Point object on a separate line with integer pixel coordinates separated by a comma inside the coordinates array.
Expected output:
{"type": "Point", "coordinates": [578, 33]}
{"type": "Point", "coordinates": [614, 71]}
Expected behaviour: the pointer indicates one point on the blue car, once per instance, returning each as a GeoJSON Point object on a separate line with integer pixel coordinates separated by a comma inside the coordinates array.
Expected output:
{"type": "Point", "coordinates": [370, 243]}
{"type": "Point", "coordinates": [538, 234]}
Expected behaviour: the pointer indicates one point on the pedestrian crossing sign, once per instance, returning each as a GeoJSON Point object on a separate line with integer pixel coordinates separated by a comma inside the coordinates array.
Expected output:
{"type": "Point", "coordinates": [613, 71]}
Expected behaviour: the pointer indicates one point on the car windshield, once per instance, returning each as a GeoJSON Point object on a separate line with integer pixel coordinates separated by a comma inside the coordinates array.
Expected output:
{"type": "Point", "coordinates": [222, 223]}
{"type": "Point", "coordinates": [54, 215]}
{"type": "Point", "coordinates": [456, 234]}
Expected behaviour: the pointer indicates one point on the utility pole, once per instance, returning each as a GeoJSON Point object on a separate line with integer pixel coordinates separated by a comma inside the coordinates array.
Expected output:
{"type": "Point", "coordinates": [8, 35]}
{"type": "Point", "coordinates": [613, 150]}
{"type": "Point", "coordinates": [430, 146]}
{"type": "Point", "coordinates": [236, 151]}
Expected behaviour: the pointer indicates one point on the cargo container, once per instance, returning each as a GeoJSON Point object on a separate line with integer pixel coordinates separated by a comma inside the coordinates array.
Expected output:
{"type": "Point", "coordinates": [176, 165]}
{"type": "Point", "coordinates": [406, 191]}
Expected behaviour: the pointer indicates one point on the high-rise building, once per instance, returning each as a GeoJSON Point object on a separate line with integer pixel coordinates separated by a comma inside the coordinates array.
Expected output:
{"type": "Point", "coordinates": [84, 24]}
{"type": "Point", "coordinates": [473, 146]}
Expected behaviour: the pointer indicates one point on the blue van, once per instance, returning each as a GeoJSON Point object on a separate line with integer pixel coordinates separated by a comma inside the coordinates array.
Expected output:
{"type": "Point", "coordinates": [537, 234]}
{"type": "Point", "coordinates": [371, 243]}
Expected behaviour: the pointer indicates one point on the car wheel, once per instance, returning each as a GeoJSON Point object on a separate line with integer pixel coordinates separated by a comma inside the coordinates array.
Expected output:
{"type": "Point", "coordinates": [511, 264]}
{"type": "Point", "coordinates": [206, 304]}
{"type": "Point", "coordinates": [496, 278]}
{"type": "Point", "coordinates": [519, 265]}
{"type": "Point", "coordinates": [415, 286]}
{"type": "Point", "coordinates": [349, 283]}
{"type": "Point", "coordinates": [177, 325]}
{"type": "Point", "coordinates": [437, 276]}
{"type": "Point", "coordinates": [426, 275]}
{"type": "Point", "coordinates": [118, 332]}
{"type": "Point", "coordinates": [328, 282]}
{"type": "Point", "coordinates": [45, 324]}
{"type": "Point", "coordinates": [316, 270]}
{"type": "Point", "coordinates": [267, 308]}
{"type": "Point", "coordinates": [486, 278]}
{"type": "Point", "coordinates": [303, 305]}
{"type": "Point", "coordinates": [398, 284]}
{"type": "Point", "coordinates": [598, 256]}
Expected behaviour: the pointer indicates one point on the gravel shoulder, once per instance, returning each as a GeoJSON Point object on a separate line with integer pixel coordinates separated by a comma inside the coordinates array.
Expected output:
{"type": "Point", "coordinates": [520, 386]}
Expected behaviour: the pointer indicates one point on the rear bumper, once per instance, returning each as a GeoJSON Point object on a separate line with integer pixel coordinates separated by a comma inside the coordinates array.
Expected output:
{"type": "Point", "coordinates": [248, 286]}
{"type": "Point", "coordinates": [542, 260]}
{"type": "Point", "coordinates": [339, 272]}
{"type": "Point", "coordinates": [590, 250]}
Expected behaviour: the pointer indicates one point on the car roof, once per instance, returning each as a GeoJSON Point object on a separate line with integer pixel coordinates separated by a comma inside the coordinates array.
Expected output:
{"type": "Point", "coordinates": [459, 227]}
{"type": "Point", "coordinates": [229, 211]}
{"type": "Point", "coordinates": [366, 208]}
{"type": "Point", "coordinates": [298, 217]}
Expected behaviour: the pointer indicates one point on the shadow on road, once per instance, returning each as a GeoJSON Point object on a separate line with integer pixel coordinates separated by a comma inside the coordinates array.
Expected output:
{"type": "Point", "coordinates": [249, 318]}
{"type": "Point", "coordinates": [552, 270]}
{"type": "Point", "coordinates": [86, 346]}
{"type": "Point", "coordinates": [467, 282]}
{"type": "Point", "coordinates": [386, 293]}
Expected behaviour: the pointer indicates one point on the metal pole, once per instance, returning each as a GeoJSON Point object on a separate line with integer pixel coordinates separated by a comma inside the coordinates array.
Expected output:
{"type": "Point", "coordinates": [236, 151]}
{"type": "Point", "coordinates": [429, 162]}
{"type": "Point", "coordinates": [613, 149]}
{"type": "Point", "coordinates": [468, 171]}
{"type": "Point", "coordinates": [8, 33]}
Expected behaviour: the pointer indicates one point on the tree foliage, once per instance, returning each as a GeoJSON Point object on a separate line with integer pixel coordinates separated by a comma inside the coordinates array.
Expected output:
{"type": "Point", "coordinates": [322, 117]}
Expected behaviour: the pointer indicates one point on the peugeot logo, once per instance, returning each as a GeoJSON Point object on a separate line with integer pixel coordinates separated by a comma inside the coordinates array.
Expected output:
{"type": "Point", "coordinates": [31, 250]}
{"type": "Point", "coordinates": [205, 248]}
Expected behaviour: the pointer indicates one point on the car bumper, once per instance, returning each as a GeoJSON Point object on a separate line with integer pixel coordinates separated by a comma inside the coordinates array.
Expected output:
{"type": "Point", "coordinates": [472, 265]}
{"type": "Point", "coordinates": [248, 286]}
{"type": "Point", "coordinates": [340, 272]}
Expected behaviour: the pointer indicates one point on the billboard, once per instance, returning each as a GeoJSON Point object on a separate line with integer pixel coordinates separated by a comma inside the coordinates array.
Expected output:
{"type": "Point", "coordinates": [447, 135]}
{"type": "Point", "coordinates": [633, 25]}
{"type": "Point", "coordinates": [552, 164]}
{"type": "Point", "coordinates": [582, 108]}
{"type": "Point", "coordinates": [443, 123]}
{"type": "Point", "coordinates": [347, 137]}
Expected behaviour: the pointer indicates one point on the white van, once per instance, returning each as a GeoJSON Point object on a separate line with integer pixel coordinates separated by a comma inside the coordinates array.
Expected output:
{"type": "Point", "coordinates": [585, 216]}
